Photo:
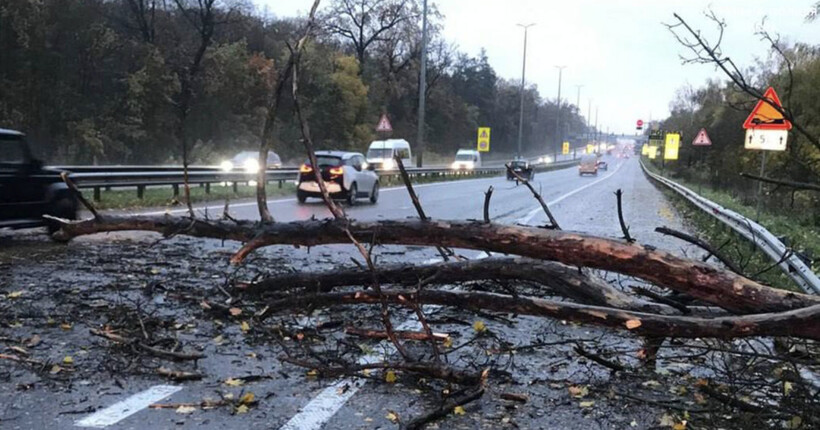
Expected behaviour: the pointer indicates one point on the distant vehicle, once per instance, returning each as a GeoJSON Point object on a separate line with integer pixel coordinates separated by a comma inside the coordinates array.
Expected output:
{"type": "Point", "coordinates": [27, 190]}
{"type": "Point", "coordinates": [521, 168]}
{"type": "Point", "coordinates": [347, 176]}
{"type": "Point", "coordinates": [249, 162]}
{"type": "Point", "coordinates": [603, 165]}
{"type": "Point", "coordinates": [381, 153]}
{"type": "Point", "coordinates": [467, 159]}
{"type": "Point", "coordinates": [589, 165]}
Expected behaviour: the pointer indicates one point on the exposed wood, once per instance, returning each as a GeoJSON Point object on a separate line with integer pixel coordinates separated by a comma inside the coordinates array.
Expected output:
{"type": "Point", "coordinates": [401, 334]}
{"type": "Point", "coordinates": [802, 323]}
{"type": "Point", "coordinates": [79, 195]}
{"type": "Point", "coordinates": [624, 228]}
{"type": "Point", "coordinates": [171, 355]}
{"type": "Point", "coordinates": [695, 278]}
{"type": "Point", "coordinates": [487, 196]}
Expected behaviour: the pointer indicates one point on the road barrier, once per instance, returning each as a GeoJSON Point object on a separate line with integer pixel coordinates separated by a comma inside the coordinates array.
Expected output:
{"type": "Point", "coordinates": [767, 242]}
{"type": "Point", "coordinates": [140, 177]}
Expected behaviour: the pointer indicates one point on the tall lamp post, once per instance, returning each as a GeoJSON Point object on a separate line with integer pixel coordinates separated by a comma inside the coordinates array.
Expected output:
{"type": "Point", "coordinates": [422, 88]}
{"type": "Point", "coordinates": [523, 74]}
{"type": "Point", "coordinates": [558, 114]}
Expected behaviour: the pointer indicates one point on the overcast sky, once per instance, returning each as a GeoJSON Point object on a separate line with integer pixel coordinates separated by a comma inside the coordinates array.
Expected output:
{"type": "Point", "coordinates": [626, 60]}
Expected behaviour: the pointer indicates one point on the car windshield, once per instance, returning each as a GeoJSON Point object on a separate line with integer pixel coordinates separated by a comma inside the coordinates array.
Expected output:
{"type": "Point", "coordinates": [11, 150]}
{"type": "Point", "coordinates": [589, 159]}
{"type": "Point", "coordinates": [326, 160]}
{"type": "Point", "coordinates": [519, 164]}
{"type": "Point", "coordinates": [464, 157]}
{"type": "Point", "coordinates": [244, 155]}
{"type": "Point", "coordinates": [380, 153]}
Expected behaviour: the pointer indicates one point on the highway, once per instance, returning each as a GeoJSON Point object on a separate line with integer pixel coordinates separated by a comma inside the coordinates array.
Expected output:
{"type": "Point", "coordinates": [289, 400]}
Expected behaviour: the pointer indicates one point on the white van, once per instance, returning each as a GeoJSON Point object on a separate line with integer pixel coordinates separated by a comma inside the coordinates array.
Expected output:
{"type": "Point", "coordinates": [467, 159]}
{"type": "Point", "coordinates": [381, 153]}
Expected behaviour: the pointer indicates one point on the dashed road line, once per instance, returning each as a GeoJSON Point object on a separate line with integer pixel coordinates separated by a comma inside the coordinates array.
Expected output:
{"type": "Point", "coordinates": [127, 407]}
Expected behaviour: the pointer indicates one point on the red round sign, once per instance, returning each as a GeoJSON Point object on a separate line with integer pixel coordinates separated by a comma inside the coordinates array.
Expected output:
{"type": "Point", "coordinates": [640, 123]}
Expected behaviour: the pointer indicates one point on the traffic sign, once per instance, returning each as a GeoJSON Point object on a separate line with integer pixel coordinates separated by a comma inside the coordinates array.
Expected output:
{"type": "Point", "coordinates": [702, 139]}
{"type": "Point", "coordinates": [590, 148]}
{"type": "Point", "coordinates": [639, 125]}
{"type": "Point", "coordinates": [653, 152]}
{"type": "Point", "coordinates": [766, 139]}
{"type": "Point", "coordinates": [765, 117]}
{"type": "Point", "coordinates": [670, 150]}
{"type": "Point", "coordinates": [565, 148]}
{"type": "Point", "coordinates": [645, 149]}
{"type": "Point", "coordinates": [384, 124]}
{"type": "Point", "coordinates": [484, 139]}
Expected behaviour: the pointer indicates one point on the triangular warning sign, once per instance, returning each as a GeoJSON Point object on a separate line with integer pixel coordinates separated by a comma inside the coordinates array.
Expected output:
{"type": "Point", "coordinates": [384, 124]}
{"type": "Point", "coordinates": [765, 117]}
{"type": "Point", "coordinates": [483, 134]}
{"type": "Point", "coordinates": [702, 139]}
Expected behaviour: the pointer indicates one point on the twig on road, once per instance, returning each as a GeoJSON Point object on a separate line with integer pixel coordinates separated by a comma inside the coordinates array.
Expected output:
{"type": "Point", "coordinates": [553, 222]}
{"type": "Point", "coordinates": [624, 228]}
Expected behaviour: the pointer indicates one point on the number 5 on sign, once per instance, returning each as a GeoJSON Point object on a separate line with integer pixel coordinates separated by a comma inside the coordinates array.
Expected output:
{"type": "Point", "coordinates": [670, 151]}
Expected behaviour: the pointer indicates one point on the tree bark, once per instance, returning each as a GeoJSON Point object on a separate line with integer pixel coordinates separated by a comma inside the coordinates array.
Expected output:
{"type": "Point", "coordinates": [700, 280]}
{"type": "Point", "coordinates": [802, 323]}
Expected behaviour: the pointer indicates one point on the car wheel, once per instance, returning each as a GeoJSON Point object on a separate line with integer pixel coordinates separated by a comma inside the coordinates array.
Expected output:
{"type": "Point", "coordinates": [64, 207]}
{"type": "Point", "coordinates": [374, 194]}
{"type": "Point", "coordinates": [351, 194]}
{"type": "Point", "coordinates": [301, 197]}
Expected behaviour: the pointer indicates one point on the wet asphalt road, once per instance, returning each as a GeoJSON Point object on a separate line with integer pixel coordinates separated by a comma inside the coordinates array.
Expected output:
{"type": "Point", "coordinates": [579, 203]}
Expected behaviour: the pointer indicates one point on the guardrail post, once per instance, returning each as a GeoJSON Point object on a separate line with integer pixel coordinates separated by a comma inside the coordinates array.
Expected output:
{"type": "Point", "coordinates": [140, 191]}
{"type": "Point", "coordinates": [235, 187]}
{"type": "Point", "coordinates": [280, 183]}
{"type": "Point", "coordinates": [176, 189]}
{"type": "Point", "coordinates": [97, 194]}
{"type": "Point", "coordinates": [207, 188]}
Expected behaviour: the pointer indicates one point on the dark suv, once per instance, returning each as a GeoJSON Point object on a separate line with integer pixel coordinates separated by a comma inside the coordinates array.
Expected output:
{"type": "Point", "coordinates": [27, 190]}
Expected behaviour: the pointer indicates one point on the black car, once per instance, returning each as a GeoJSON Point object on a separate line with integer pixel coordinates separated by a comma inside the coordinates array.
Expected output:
{"type": "Point", "coordinates": [27, 190]}
{"type": "Point", "coordinates": [521, 168]}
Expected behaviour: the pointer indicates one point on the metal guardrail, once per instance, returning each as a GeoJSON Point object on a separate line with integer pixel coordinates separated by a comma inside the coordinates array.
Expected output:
{"type": "Point", "coordinates": [767, 242]}
{"type": "Point", "coordinates": [99, 177]}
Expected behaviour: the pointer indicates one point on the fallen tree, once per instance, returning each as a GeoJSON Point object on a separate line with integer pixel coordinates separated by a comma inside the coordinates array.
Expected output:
{"type": "Point", "coordinates": [711, 284]}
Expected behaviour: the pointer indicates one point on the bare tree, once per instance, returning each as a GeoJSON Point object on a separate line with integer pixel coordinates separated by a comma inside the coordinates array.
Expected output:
{"type": "Point", "coordinates": [702, 51]}
{"type": "Point", "coordinates": [266, 142]}
{"type": "Point", "coordinates": [144, 13]}
{"type": "Point", "coordinates": [365, 22]}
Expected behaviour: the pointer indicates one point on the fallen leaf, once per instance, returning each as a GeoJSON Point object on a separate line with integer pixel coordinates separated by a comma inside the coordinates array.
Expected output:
{"type": "Point", "coordinates": [185, 409]}
{"type": "Point", "coordinates": [667, 421]}
{"type": "Point", "coordinates": [479, 326]}
{"type": "Point", "coordinates": [233, 382]}
{"type": "Point", "coordinates": [34, 341]}
{"type": "Point", "coordinates": [19, 350]}
{"type": "Point", "coordinates": [67, 360]}
{"type": "Point", "coordinates": [587, 404]}
{"type": "Point", "coordinates": [247, 398]}
{"type": "Point", "coordinates": [235, 311]}
{"type": "Point", "coordinates": [787, 388]}
{"type": "Point", "coordinates": [448, 342]}
{"type": "Point", "coordinates": [242, 409]}
{"type": "Point", "coordinates": [14, 294]}
{"type": "Point", "coordinates": [651, 383]}
{"type": "Point", "coordinates": [794, 423]}
{"type": "Point", "coordinates": [699, 399]}
{"type": "Point", "coordinates": [679, 426]}
{"type": "Point", "coordinates": [632, 324]}
{"type": "Point", "coordinates": [312, 373]}
{"type": "Point", "coordinates": [392, 416]}
{"type": "Point", "coordinates": [245, 326]}
{"type": "Point", "coordinates": [55, 369]}
{"type": "Point", "coordinates": [65, 326]}
{"type": "Point", "coordinates": [218, 340]}
{"type": "Point", "coordinates": [390, 377]}
{"type": "Point", "coordinates": [633, 423]}
{"type": "Point", "coordinates": [459, 410]}
{"type": "Point", "coordinates": [578, 391]}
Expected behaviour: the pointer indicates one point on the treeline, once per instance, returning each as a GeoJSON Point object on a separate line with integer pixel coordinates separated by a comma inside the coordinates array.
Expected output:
{"type": "Point", "coordinates": [127, 81]}
{"type": "Point", "coordinates": [721, 109]}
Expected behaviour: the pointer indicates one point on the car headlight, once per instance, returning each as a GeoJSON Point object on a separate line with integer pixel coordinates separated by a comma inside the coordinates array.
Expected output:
{"type": "Point", "coordinates": [226, 166]}
{"type": "Point", "coordinates": [251, 165]}
{"type": "Point", "coordinates": [454, 165]}
{"type": "Point", "coordinates": [388, 164]}
{"type": "Point", "coordinates": [469, 165]}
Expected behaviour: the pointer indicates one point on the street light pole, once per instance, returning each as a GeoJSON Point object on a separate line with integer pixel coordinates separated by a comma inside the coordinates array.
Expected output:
{"type": "Point", "coordinates": [589, 119]}
{"type": "Point", "coordinates": [558, 136]}
{"type": "Point", "coordinates": [422, 88]}
{"type": "Point", "coordinates": [523, 74]}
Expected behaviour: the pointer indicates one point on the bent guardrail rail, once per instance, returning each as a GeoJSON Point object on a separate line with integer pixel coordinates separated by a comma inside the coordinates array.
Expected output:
{"type": "Point", "coordinates": [767, 242]}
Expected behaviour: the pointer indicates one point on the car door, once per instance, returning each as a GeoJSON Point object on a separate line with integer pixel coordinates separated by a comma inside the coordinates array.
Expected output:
{"type": "Point", "coordinates": [21, 195]}
{"type": "Point", "coordinates": [364, 177]}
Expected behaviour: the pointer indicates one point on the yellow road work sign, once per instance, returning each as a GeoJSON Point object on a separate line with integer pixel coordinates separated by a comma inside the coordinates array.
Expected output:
{"type": "Point", "coordinates": [565, 148]}
{"type": "Point", "coordinates": [670, 150]}
{"type": "Point", "coordinates": [484, 139]}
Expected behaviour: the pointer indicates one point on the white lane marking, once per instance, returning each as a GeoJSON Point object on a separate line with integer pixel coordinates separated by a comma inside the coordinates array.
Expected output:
{"type": "Point", "coordinates": [529, 216]}
{"type": "Point", "coordinates": [288, 200]}
{"type": "Point", "coordinates": [125, 408]}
